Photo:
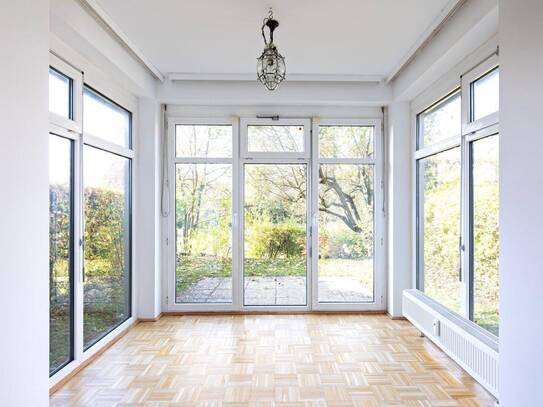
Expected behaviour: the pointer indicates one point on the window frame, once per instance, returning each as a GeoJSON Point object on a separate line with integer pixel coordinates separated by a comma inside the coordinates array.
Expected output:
{"type": "Point", "coordinates": [471, 131]}
{"type": "Point", "coordinates": [238, 162]}
{"type": "Point", "coordinates": [73, 129]}
{"type": "Point", "coordinates": [74, 237]}
{"type": "Point", "coordinates": [128, 153]}
{"type": "Point", "coordinates": [75, 121]}
{"type": "Point", "coordinates": [469, 124]}
{"type": "Point", "coordinates": [379, 277]}
{"type": "Point", "coordinates": [244, 138]}
{"type": "Point", "coordinates": [171, 164]}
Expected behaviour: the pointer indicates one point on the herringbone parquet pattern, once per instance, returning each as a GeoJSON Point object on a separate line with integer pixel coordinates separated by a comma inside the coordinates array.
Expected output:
{"type": "Point", "coordinates": [273, 360]}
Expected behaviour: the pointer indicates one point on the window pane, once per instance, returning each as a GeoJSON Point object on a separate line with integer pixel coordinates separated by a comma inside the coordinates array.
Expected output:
{"type": "Point", "coordinates": [345, 265]}
{"type": "Point", "coordinates": [275, 139]}
{"type": "Point", "coordinates": [203, 141]}
{"type": "Point", "coordinates": [440, 122]}
{"type": "Point", "coordinates": [59, 94]}
{"type": "Point", "coordinates": [439, 218]}
{"type": "Point", "coordinates": [105, 119]}
{"type": "Point", "coordinates": [60, 249]}
{"type": "Point", "coordinates": [275, 234]}
{"type": "Point", "coordinates": [203, 233]}
{"type": "Point", "coordinates": [485, 183]}
{"type": "Point", "coordinates": [106, 288]}
{"type": "Point", "coordinates": [486, 95]}
{"type": "Point", "coordinates": [345, 141]}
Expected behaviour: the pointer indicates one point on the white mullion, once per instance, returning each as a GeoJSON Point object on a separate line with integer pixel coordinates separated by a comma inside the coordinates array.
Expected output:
{"type": "Point", "coordinates": [104, 145]}
{"type": "Point", "coordinates": [440, 147]}
{"type": "Point", "coordinates": [79, 232]}
{"type": "Point", "coordinates": [201, 160]}
{"type": "Point", "coordinates": [314, 215]}
{"type": "Point", "coordinates": [362, 161]}
{"type": "Point", "coordinates": [237, 214]}
{"type": "Point", "coordinates": [171, 229]}
{"type": "Point", "coordinates": [465, 238]}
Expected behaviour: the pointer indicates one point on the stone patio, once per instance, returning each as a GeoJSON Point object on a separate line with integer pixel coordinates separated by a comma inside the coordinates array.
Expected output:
{"type": "Point", "coordinates": [275, 291]}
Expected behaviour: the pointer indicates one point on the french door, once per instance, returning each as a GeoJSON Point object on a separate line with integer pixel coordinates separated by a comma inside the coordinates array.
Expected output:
{"type": "Point", "coordinates": [275, 215]}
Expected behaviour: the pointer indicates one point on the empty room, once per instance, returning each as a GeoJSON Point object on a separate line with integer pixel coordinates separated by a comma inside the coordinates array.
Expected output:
{"type": "Point", "coordinates": [246, 203]}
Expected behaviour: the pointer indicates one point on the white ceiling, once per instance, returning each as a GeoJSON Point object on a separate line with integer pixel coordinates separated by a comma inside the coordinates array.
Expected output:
{"type": "Point", "coordinates": [341, 37]}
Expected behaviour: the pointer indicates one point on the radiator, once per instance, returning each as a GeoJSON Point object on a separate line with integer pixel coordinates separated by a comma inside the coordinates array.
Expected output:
{"type": "Point", "coordinates": [467, 344]}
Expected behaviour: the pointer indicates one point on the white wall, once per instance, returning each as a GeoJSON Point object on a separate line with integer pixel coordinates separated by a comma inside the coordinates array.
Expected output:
{"type": "Point", "coordinates": [148, 221]}
{"type": "Point", "coordinates": [398, 201]}
{"type": "Point", "coordinates": [24, 208]}
{"type": "Point", "coordinates": [521, 200]}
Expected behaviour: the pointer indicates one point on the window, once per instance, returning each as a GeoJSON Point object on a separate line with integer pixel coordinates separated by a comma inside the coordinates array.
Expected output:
{"type": "Point", "coordinates": [104, 119]}
{"type": "Point", "coordinates": [275, 247]}
{"type": "Point", "coordinates": [60, 94]}
{"type": "Point", "coordinates": [269, 139]}
{"type": "Point", "coordinates": [346, 141]}
{"type": "Point", "coordinates": [486, 95]}
{"type": "Point", "coordinates": [346, 213]}
{"type": "Point", "coordinates": [61, 264]}
{"type": "Point", "coordinates": [106, 288]}
{"type": "Point", "coordinates": [203, 215]}
{"type": "Point", "coordinates": [439, 227]}
{"type": "Point", "coordinates": [440, 122]}
{"type": "Point", "coordinates": [485, 231]}
{"type": "Point", "coordinates": [280, 214]}
{"type": "Point", "coordinates": [203, 141]}
{"type": "Point", "coordinates": [458, 200]}
{"type": "Point", "coordinates": [90, 209]}
{"type": "Point", "coordinates": [275, 138]}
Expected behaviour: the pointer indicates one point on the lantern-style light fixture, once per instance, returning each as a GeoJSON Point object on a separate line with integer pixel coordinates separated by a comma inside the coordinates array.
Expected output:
{"type": "Point", "coordinates": [270, 67]}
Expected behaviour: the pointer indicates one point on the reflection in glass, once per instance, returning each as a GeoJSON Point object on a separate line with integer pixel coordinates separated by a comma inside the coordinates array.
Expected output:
{"type": "Point", "coordinates": [275, 234]}
{"type": "Point", "coordinates": [203, 233]}
{"type": "Point", "coordinates": [439, 218]}
{"type": "Point", "coordinates": [275, 139]}
{"type": "Point", "coordinates": [59, 94]}
{"type": "Point", "coordinates": [346, 233]}
{"type": "Point", "coordinates": [486, 235]}
{"type": "Point", "coordinates": [203, 141]}
{"type": "Point", "coordinates": [486, 95]}
{"type": "Point", "coordinates": [346, 141]}
{"type": "Point", "coordinates": [440, 122]}
{"type": "Point", "coordinates": [105, 119]}
{"type": "Point", "coordinates": [60, 249]}
{"type": "Point", "coordinates": [106, 288]}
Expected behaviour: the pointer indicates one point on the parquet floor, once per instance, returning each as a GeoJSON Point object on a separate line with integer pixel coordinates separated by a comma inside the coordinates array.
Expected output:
{"type": "Point", "coordinates": [273, 360]}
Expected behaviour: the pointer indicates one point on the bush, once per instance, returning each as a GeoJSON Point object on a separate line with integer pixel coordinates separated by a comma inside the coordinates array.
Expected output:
{"type": "Point", "coordinates": [270, 240]}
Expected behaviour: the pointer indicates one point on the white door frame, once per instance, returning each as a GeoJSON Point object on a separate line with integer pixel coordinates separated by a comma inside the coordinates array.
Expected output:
{"type": "Point", "coordinates": [379, 276]}
{"type": "Point", "coordinates": [240, 157]}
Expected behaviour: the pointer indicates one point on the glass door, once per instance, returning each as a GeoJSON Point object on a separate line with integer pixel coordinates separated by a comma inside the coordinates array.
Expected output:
{"type": "Point", "coordinates": [275, 197]}
{"type": "Point", "coordinates": [275, 234]}
{"type": "Point", "coordinates": [276, 215]}
{"type": "Point", "coordinates": [348, 272]}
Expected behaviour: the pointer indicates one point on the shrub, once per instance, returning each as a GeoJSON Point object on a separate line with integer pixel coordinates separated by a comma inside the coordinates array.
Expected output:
{"type": "Point", "coordinates": [276, 240]}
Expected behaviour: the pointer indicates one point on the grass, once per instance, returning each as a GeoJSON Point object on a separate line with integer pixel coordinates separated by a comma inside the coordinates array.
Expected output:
{"type": "Point", "coordinates": [191, 269]}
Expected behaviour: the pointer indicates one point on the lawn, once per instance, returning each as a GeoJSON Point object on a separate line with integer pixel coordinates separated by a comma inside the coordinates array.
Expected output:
{"type": "Point", "coordinates": [191, 269]}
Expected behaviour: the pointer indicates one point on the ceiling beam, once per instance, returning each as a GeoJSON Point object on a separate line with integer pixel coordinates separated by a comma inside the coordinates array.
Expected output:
{"type": "Point", "coordinates": [293, 77]}
{"type": "Point", "coordinates": [426, 37]}
{"type": "Point", "coordinates": [107, 22]}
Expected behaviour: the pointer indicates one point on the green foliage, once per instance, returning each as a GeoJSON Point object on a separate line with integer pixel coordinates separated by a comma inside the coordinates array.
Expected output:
{"type": "Point", "coordinates": [269, 240]}
{"type": "Point", "coordinates": [344, 244]}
